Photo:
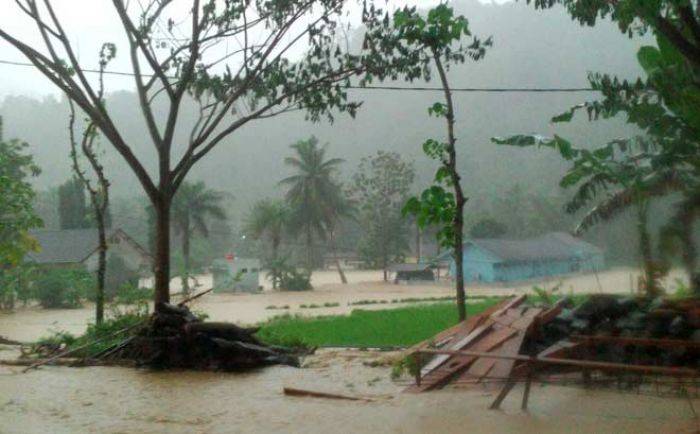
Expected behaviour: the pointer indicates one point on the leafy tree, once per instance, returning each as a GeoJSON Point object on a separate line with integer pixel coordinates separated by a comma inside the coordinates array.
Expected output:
{"type": "Point", "coordinates": [269, 219]}
{"type": "Point", "coordinates": [17, 215]}
{"type": "Point", "coordinates": [193, 206]}
{"type": "Point", "coordinates": [381, 186]}
{"type": "Point", "coordinates": [72, 206]}
{"type": "Point", "coordinates": [618, 169]}
{"type": "Point", "coordinates": [664, 106]}
{"type": "Point", "coordinates": [431, 40]}
{"type": "Point", "coordinates": [173, 61]}
{"type": "Point", "coordinates": [312, 193]}
{"type": "Point", "coordinates": [677, 21]}
{"type": "Point", "coordinates": [488, 228]}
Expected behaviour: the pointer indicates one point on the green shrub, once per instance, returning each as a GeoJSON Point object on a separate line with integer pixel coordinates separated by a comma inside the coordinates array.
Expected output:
{"type": "Point", "coordinates": [15, 285]}
{"type": "Point", "coordinates": [293, 280]}
{"type": "Point", "coordinates": [62, 288]}
{"type": "Point", "coordinates": [119, 275]}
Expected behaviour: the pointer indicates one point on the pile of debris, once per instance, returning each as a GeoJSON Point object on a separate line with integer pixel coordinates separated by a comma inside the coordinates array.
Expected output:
{"type": "Point", "coordinates": [513, 342]}
{"type": "Point", "coordinates": [175, 338]}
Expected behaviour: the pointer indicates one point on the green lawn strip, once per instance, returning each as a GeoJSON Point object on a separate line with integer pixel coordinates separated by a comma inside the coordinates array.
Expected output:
{"type": "Point", "coordinates": [366, 328]}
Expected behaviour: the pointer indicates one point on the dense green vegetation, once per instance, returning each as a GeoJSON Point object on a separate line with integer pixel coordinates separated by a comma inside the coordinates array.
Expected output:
{"type": "Point", "coordinates": [365, 328]}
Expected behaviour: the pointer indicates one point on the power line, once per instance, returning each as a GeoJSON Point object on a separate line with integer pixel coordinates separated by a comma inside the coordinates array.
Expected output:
{"type": "Point", "coordinates": [387, 88]}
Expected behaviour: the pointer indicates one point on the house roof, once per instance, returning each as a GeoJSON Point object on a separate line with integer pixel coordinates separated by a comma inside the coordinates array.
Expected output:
{"type": "Point", "coordinates": [556, 245]}
{"type": "Point", "coordinates": [69, 246]}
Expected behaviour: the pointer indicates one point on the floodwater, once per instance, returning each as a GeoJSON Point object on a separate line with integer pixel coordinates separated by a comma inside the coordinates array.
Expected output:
{"type": "Point", "coordinates": [29, 324]}
{"type": "Point", "coordinates": [122, 400]}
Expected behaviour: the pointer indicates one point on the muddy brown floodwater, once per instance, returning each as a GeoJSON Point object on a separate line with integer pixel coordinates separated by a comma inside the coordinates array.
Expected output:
{"type": "Point", "coordinates": [122, 400]}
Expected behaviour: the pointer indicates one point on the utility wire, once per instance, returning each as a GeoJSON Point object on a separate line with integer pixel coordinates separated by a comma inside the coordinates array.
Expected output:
{"type": "Point", "coordinates": [388, 88]}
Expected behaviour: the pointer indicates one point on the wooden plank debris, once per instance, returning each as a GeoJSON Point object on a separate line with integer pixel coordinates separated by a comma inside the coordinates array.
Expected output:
{"type": "Point", "coordinates": [291, 391]}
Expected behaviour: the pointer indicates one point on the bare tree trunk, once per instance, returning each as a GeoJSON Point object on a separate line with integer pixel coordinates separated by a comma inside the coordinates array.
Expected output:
{"type": "Point", "coordinates": [458, 223]}
{"type": "Point", "coordinates": [418, 243]}
{"type": "Point", "coordinates": [162, 256]}
{"type": "Point", "coordinates": [186, 258]}
{"type": "Point", "coordinates": [645, 249]}
{"type": "Point", "coordinates": [309, 250]}
{"type": "Point", "coordinates": [690, 252]}
{"type": "Point", "coordinates": [334, 249]}
{"type": "Point", "coordinates": [101, 268]}
{"type": "Point", "coordinates": [275, 257]}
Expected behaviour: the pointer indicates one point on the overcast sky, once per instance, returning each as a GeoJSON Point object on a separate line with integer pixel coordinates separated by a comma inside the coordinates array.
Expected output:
{"type": "Point", "coordinates": [89, 24]}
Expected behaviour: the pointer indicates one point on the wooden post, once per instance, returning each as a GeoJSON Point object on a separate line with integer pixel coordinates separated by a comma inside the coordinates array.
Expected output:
{"type": "Point", "coordinates": [417, 362]}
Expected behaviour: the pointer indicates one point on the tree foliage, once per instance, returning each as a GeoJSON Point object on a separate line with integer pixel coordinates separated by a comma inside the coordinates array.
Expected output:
{"type": "Point", "coordinates": [269, 219]}
{"type": "Point", "coordinates": [380, 187]}
{"type": "Point", "coordinates": [72, 205]}
{"type": "Point", "coordinates": [17, 215]}
{"type": "Point", "coordinates": [313, 195]}
{"type": "Point", "coordinates": [194, 206]}
{"type": "Point", "coordinates": [176, 57]}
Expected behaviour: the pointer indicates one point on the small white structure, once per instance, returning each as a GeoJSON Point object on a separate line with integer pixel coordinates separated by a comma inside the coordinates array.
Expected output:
{"type": "Point", "coordinates": [235, 274]}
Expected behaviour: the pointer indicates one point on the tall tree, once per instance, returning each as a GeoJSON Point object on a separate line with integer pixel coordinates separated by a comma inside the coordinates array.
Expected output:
{"type": "Point", "coordinates": [312, 192]}
{"type": "Point", "coordinates": [269, 219]}
{"type": "Point", "coordinates": [72, 205]}
{"type": "Point", "coordinates": [193, 206]}
{"type": "Point", "coordinates": [176, 58]}
{"type": "Point", "coordinates": [17, 215]}
{"type": "Point", "coordinates": [433, 40]}
{"type": "Point", "coordinates": [381, 186]}
{"type": "Point", "coordinates": [98, 189]}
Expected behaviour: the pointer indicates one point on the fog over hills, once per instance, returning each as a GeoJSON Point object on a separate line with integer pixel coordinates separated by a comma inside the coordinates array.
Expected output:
{"type": "Point", "coordinates": [531, 49]}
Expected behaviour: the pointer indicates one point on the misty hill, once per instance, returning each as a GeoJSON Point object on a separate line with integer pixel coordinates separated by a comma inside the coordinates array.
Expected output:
{"type": "Point", "coordinates": [531, 49]}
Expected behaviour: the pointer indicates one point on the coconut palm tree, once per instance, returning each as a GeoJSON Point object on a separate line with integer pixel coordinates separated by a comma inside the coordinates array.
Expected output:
{"type": "Point", "coordinates": [193, 205]}
{"type": "Point", "coordinates": [313, 194]}
{"type": "Point", "coordinates": [269, 218]}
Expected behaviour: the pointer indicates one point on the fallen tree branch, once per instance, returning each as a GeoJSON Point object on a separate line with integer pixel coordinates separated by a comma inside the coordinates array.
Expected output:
{"type": "Point", "coordinates": [194, 297]}
{"type": "Point", "coordinates": [70, 362]}
{"type": "Point", "coordinates": [290, 391]}
{"type": "Point", "coordinates": [6, 341]}
{"type": "Point", "coordinates": [76, 349]}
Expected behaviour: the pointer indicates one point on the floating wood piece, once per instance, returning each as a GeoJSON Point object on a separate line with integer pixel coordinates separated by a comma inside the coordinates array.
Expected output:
{"type": "Point", "coordinates": [290, 391]}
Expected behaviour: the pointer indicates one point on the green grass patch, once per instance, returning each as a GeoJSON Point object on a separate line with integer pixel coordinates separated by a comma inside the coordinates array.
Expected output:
{"type": "Point", "coordinates": [362, 328]}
